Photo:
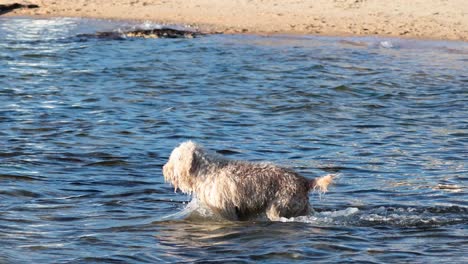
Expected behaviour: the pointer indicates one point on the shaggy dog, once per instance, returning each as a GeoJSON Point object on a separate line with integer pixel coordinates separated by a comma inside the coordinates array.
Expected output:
{"type": "Point", "coordinates": [240, 190]}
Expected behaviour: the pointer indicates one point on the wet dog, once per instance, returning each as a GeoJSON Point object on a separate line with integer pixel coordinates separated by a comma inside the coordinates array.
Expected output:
{"type": "Point", "coordinates": [240, 190]}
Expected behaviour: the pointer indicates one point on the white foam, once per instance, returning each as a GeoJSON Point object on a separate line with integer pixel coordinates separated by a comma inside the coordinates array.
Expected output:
{"type": "Point", "coordinates": [391, 216]}
{"type": "Point", "coordinates": [192, 207]}
{"type": "Point", "coordinates": [386, 44]}
{"type": "Point", "coordinates": [149, 25]}
{"type": "Point", "coordinates": [323, 217]}
{"type": "Point", "coordinates": [194, 210]}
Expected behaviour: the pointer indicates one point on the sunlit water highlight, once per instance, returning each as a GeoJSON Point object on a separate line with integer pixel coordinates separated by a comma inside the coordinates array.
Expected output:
{"type": "Point", "coordinates": [86, 125]}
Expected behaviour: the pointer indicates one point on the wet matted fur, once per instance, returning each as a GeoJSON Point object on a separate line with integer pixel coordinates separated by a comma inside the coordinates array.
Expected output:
{"type": "Point", "coordinates": [239, 190]}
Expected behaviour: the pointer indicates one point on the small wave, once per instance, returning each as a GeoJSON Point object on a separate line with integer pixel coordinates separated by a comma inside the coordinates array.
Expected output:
{"type": "Point", "coordinates": [388, 216]}
{"type": "Point", "coordinates": [109, 163]}
{"type": "Point", "coordinates": [329, 217]}
{"type": "Point", "coordinates": [386, 44]}
{"type": "Point", "coordinates": [414, 217]}
{"type": "Point", "coordinates": [403, 217]}
{"type": "Point", "coordinates": [144, 25]}
{"type": "Point", "coordinates": [192, 210]}
{"type": "Point", "coordinates": [13, 177]}
{"type": "Point", "coordinates": [21, 193]}
{"type": "Point", "coordinates": [370, 43]}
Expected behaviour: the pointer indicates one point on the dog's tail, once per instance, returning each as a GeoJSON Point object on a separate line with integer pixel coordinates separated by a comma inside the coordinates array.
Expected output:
{"type": "Point", "coordinates": [321, 183]}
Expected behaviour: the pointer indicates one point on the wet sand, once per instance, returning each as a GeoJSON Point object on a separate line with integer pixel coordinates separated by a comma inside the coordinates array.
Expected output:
{"type": "Point", "coordinates": [427, 19]}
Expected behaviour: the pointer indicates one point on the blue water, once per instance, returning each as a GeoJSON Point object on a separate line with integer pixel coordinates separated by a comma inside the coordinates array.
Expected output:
{"type": "Point", "coordinates": [86, 125]}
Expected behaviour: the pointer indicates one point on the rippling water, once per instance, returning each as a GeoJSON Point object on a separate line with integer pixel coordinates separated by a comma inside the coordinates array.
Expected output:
{"type": "Point", "coordinates": [86, 125]}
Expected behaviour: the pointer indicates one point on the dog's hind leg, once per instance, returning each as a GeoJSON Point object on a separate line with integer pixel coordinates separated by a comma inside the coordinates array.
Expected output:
{"type": "Point", "coordinates": [294, 207]}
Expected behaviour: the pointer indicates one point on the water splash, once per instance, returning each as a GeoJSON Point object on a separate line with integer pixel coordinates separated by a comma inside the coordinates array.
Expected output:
{"type": "Point", "coordinates": [326, 217]}
{"type": "Point", "coordinates": [388, 216]}
{"type": "Point", "coordinates": [386, 44]}
{"type": "Point", "coordinates": [413, 216]}
{"type": "Point", "coordinates": [192, 209]}
{"type": "Point", "coordinates": [392, 216]}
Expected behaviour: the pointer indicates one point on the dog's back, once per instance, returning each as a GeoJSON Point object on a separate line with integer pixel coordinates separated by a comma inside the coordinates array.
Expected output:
{"type": "Point", "coordinates": [249, 189]}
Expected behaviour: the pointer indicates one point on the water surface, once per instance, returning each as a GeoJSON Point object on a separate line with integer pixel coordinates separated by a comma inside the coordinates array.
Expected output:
{"type": "Point", "coordinates": [86, 126]}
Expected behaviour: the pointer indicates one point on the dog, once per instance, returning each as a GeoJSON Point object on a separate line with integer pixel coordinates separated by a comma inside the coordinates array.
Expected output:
{"type": "Point", "coordinates": [240, 190]}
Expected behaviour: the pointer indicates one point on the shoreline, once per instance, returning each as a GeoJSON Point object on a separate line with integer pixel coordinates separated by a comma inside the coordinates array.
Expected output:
{"type": "Point", "coordinates": [431, 19]}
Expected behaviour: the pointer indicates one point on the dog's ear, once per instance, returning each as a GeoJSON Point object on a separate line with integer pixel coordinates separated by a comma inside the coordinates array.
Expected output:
{"type": "Point", "coordinates": [195, 161]}
{"type": "Point", "coordinates": [189, 160]}
{"type": "Point", "coordinates": [168, 171]}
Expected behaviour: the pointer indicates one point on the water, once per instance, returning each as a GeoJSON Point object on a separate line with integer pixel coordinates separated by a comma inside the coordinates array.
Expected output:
{"type": "Point", "coordinates": [86, 126]}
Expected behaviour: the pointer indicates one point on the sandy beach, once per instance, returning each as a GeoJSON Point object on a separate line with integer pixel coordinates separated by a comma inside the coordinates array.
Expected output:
{"type": "Point", "coordinates": [426, 19]}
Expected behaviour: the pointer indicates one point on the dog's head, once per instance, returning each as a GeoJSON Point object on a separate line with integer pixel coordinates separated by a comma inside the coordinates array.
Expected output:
{"type": "Point", "coordinates": [181, 169]}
